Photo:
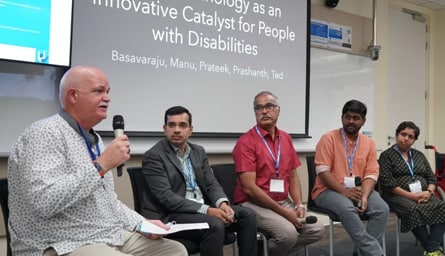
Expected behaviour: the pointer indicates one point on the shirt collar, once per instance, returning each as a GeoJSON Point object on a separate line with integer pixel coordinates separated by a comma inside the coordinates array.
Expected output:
{"type": "Point", "coordinates": [265, 133]}
{"type": "Point", "coordinates": [179, 153]}
{"type": "Point", "coordinates": [91, 134]}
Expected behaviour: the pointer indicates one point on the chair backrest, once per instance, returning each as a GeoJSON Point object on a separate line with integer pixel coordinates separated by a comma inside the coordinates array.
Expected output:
{"type": "Point", "coordinates": [137, 185]}
{"type": "Point", "coordinates": [226, 176]}
{"type": "Point", "coordinates": [440, 165]}
{"type": "Point", "coordinates": [311, 178]}
{"type": "Point", "coordinates": [5, 210]}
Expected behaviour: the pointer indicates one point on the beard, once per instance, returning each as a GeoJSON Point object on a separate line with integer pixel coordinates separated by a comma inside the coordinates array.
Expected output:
{"type": "Point", "coordinates": [351, 129]}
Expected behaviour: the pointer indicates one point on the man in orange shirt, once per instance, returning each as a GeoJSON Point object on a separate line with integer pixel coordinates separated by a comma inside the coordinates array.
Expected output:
{"type": "Point", "coordinates": [347, 171]}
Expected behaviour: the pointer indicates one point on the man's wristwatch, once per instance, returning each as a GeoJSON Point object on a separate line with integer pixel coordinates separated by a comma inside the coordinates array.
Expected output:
{"type": "Point", "coordinates": [99, 168]}
{"type": "Point", "coordinates": [299, 206]}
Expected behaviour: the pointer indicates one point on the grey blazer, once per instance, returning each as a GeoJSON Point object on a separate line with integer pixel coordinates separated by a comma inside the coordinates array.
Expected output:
{"type": "Point", "coordinates": [165, 189]}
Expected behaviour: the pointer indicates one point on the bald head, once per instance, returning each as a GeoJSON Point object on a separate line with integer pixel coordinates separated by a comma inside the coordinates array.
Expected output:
{"type": "Point", "coordinates": [83, 94]}
{"type": "Point", "coordinates": [74, 78]}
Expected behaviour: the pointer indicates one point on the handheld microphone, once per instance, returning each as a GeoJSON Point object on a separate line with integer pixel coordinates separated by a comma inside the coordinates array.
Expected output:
{"type": "Point", "coordinates": [358, 183]}
{"type": "Point", "coordinates": [118, 127]}
{"type": "Point", "coordinates": [308, 220]}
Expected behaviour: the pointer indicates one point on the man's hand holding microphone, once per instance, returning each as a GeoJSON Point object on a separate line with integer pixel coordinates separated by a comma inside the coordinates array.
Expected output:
{"type": "Point", "coordinates": [300, 218]}
{"type": "Point", "coordinates": [117, 152]}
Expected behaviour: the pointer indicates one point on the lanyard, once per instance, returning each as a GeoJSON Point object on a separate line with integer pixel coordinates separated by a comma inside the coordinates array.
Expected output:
{"type": "Point", "coordinates": [354, 150]}
{"type": "Point", "coordinates": [275, 159]}
{"type": "Point", "coordinates": [90, 150]}
{"type": "Point", "coordinates": [186, 164]}
{"type": "Point", "coordinates": [410, 164]}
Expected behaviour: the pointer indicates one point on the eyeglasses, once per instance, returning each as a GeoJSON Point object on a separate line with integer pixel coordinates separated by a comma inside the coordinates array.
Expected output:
{"type": "Point", "coordinates": [267, 107]}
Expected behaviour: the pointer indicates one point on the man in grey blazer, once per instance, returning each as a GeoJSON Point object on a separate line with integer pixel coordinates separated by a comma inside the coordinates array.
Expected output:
{"type": "Point", "coordinates": [181, 187]}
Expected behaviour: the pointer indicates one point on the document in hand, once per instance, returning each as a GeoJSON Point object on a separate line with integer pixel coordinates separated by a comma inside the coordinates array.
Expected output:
{"type": "Point", "coordinates": [150, 228]}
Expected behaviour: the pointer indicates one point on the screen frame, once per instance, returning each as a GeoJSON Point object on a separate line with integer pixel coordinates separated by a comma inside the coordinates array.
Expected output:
{"type": "Point", "coordinates": [59, 39]}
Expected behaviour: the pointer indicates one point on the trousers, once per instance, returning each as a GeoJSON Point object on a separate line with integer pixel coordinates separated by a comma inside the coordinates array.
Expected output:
{"type": "Point", "coordinates": [134, 244]}
{"type": "Point", "coordinates": [284, 236]}
{"type": "Point", "coordinates": [211, 240]}
{"type": "Point", "coordinates": [367, 239]}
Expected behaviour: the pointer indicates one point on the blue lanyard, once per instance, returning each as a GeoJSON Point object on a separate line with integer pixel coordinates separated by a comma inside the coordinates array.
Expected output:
{"type": "Point", "coordinates": [90, 150]}
{"type": "Point", "coordinates": [410, 164]}
{"type": "Point", "coordinates": [354, 150]}
{"type": "Point", "coordinates": [188, 177]}
{"type": "Point", "coordinates": [277, 159]}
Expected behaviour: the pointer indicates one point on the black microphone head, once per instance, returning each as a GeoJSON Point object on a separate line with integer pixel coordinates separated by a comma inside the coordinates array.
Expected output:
{"type": "Point", "coordinates": [358, 181]}
{"type": "Point", "coordinates": [311, 219]}
{"type": "Point", "coordinates": [118, 122]}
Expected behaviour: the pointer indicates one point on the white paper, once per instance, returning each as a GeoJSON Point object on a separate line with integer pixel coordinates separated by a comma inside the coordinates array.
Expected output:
{"type": "Point", "coordinates": [150, 228]}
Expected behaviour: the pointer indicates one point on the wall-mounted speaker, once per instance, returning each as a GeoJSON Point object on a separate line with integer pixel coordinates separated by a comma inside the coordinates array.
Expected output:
{"type": "Point", "coordinates": [331, 3]}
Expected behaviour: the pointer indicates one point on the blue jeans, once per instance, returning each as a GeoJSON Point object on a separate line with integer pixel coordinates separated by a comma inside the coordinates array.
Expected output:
{"type": "Point", "coordinates": [367, 238]}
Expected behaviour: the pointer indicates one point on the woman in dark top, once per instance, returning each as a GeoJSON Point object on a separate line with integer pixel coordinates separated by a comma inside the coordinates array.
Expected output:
{"type": "Point", "coordinates": [408, 186]}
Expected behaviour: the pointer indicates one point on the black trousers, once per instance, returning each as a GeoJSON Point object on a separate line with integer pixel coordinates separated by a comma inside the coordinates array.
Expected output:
{"type": "Point", "coordinates": [211, 241]}
{"type": "Point", "coordinates": [432, 240]}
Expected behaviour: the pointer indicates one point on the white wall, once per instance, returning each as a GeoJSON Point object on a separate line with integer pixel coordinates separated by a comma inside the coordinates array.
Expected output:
{"type": "Point", "coordinates": [438, 81]}
{"type": "Point", "coordinates": [436, 85]}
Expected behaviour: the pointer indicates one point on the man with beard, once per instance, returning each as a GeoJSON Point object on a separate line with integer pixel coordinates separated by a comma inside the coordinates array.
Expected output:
{"type": "Point", "coordinates": [343, 156]}
{"type": "Point", "coordinates": [268, 183]}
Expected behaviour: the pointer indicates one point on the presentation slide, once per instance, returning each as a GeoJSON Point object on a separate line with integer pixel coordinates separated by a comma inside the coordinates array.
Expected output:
{"type": "Point", "coordinates": [36, 31]}
{"type": "Point", "coordinates": [211, 56]}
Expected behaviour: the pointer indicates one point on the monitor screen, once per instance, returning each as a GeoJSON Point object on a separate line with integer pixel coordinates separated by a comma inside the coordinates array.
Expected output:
{"type": "Point", "coordinates": [36, 31]}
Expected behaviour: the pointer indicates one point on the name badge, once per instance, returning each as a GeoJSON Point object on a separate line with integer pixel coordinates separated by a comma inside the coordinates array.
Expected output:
{"type": "Point", "coordinates": [277, 185]}
{"type": "Point", "coordinates": [415, 186]}
{"type": "Point", "coordinates": [349, 182]}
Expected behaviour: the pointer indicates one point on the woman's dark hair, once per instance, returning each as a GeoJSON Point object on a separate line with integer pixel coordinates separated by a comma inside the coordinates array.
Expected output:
{"type": "Point", "coordinates": [355, 106]}
{"type": "Point", "coordinates": [177, 110]}
{"type": "Point", "coordinates": [408, 124]}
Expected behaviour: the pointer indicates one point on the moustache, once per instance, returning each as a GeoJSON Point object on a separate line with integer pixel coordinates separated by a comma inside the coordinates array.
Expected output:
{"type": "Point", "coordinates": [266, 116]}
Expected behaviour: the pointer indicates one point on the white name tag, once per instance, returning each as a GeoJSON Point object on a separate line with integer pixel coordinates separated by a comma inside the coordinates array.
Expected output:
{"type": "Point", "coordinates": [277, 185]}
{"type": "Point", "coordinates": [349, 182]}
{"type": "Point", "coordinates": [415, 186]}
